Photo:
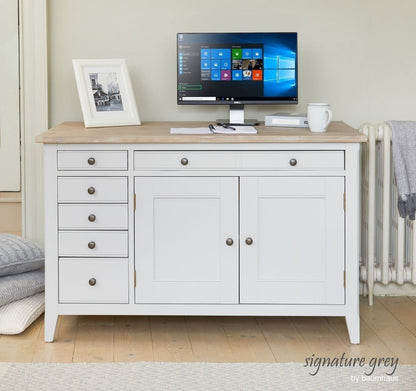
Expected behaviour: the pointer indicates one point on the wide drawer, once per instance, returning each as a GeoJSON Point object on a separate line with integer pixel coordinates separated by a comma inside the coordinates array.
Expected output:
{"type": "Point", "coordinates": [242, 160]}
{"type": "Point", "coordinates": [93, 281]}
{"type": "Point", "coordinates": [93, 243]}
{"type": "Point", "coordinates": [93, 216]}
{"type": "Point", "coordinates": [92, 189]}
{"type": "Point", "coordinates": [92, 160]}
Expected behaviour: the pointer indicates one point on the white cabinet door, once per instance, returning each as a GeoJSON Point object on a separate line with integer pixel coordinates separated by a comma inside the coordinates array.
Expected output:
{"type": "Point", "coordinates": [296, 225]}
{"type": "Point", "coordinates": [9, 96]}
{"type": "Point", "coordinates": [181, 231]}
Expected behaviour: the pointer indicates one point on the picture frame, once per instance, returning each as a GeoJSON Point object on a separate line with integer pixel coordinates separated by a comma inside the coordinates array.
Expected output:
{"type": "Point", "coordinates": [105, 92]}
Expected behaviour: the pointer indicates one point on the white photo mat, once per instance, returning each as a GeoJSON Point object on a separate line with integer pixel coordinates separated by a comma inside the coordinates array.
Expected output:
{"type": "Point", "coordinates": [105, 93]}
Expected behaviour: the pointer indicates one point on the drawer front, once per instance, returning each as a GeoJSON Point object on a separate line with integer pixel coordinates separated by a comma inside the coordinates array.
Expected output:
{"type": "Point", "coordinates": [185, 160]}
{"type": "Point", "coordinates": [93, 216]}
{"type": "Point", "coordinates": [92, 189]}
{"type": "Point", "coordinates": [93, 244]}
{"type": "Point", "coordinates": [242, 160]}
{"type": "Point", "coordinates": [92, 160]}
{"type": "Point", "coordinates": [93, 281]}
{"type": "Point", "coordinates": [294, 160]}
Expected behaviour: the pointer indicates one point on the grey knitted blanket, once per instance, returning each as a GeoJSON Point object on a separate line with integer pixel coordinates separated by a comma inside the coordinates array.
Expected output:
{"type": "Point", "coordinates": [404, 161]}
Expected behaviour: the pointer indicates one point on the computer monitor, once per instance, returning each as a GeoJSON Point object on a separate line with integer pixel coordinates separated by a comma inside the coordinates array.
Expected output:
{"type": "Point", "coordinates": [237, 69]}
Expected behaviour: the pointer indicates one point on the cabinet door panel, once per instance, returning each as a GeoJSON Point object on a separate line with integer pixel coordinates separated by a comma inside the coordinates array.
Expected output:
{"type": "Point", "coordinates": [182, 225]}
{"type": "Point", "coordinates": [297, 227]}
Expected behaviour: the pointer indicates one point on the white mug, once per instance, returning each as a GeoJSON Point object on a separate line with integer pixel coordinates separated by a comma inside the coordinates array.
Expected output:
{"type": "Point", "coordinates": [319, 116]}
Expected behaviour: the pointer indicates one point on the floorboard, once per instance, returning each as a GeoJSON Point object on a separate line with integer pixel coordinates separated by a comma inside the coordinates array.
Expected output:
{"type": "Point", "coordinates": [388, 329]}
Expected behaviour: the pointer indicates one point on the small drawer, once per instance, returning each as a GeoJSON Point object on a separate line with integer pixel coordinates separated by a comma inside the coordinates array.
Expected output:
{"type": "Point", "coordinates": [240, 160]}
{"type": "Point", "coordinates": [93, 216]}
{"type": "Point", "coordinates": [186, 160]}
{"type": "Point", "coordinates": [92, 189]}
{"type": "Point", "coordinates": [293, 160]}
{"type": "Point", "coordinates": [92, 160]}
{"type": "Point", "coordinates": [93, 244]}
{"type": "Point", "coordinates": [93, 281]}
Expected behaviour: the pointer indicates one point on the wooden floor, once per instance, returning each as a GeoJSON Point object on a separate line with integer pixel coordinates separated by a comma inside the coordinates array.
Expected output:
{"type": "Point", "coordinates": [388, 329]}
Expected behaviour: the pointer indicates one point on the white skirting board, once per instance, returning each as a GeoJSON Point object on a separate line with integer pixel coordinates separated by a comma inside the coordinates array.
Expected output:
{"type": "Point", "coordinates": [394, 290]}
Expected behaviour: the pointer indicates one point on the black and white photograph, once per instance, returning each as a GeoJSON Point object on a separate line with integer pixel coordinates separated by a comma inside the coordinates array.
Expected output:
{"type": "Point", "coordinates": [105, 93]}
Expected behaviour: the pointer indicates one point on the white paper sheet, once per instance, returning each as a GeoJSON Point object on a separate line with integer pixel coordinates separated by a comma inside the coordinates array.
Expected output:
{"type": "Point", "coordinates": [217, 129]}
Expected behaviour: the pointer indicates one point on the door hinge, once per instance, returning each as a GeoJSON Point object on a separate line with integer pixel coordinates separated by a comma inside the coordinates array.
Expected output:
{"type": "Point", "coordinates": [345, 202]}
{"type": "Point", "coordinates": [345, 279]}
{"type": "Point", "coordinates": [135, 278]}
{"type": "Point", "coordinates": [134, 202]}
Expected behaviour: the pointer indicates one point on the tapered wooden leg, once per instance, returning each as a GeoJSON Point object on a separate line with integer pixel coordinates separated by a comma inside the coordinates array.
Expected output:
{"type": "Point", "coordinates": [51, 318]}
{"type": "Point", "coordinates": [353, 326]}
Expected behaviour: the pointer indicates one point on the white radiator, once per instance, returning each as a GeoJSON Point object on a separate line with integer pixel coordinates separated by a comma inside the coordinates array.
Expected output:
{"type": "Point", "coordinates": [388, 242]}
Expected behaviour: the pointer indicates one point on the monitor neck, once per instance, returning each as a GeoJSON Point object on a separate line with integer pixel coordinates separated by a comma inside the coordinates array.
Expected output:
{"type": "Point", "coordinates": [237, 117]}
{"type": "Point", "coordinates": [237, 114]}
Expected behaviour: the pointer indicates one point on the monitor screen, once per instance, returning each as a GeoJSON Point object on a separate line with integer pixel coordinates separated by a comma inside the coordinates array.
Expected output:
{"type": "Point", "coordinates": [237, 68]}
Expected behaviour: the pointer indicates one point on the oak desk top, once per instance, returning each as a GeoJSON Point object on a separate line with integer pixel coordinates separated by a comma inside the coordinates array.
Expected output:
{"type": "Point", "coordinates": [159, 132]}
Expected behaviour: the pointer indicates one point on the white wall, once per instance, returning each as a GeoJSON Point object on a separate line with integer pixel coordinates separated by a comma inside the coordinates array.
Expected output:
{"type": "Point", "coordinates": [359, 55]}
{"type": "Point", "coordinates": [9, 97]}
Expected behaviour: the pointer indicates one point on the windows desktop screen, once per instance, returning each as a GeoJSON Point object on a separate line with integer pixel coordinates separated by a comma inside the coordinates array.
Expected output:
{"type": "Point", "coordinates": [215, 68]}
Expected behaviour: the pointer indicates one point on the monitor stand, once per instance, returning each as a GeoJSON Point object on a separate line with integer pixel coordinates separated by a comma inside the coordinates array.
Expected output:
{"type": "Point", "coordinates": [237, 117]}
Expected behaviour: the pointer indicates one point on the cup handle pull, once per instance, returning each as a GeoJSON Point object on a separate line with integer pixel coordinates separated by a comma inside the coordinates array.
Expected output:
{"type": "Point", "coordinates": [329, 118]}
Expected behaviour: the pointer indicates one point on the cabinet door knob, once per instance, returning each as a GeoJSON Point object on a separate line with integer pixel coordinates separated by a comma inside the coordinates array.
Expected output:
{"type": "Point", "coordinates": [91, 218]}
{"type": "Point", "coordinates": [229, 242]}
{"type": "Point", "coordinates": [293, 162]}
{"type": "Point", "coordinates": [92, 281]}
{"type": "Point", "coordinates": [91, 161]}
{"type": "Point", "coordinates": [91, 190]}
{"type": "Point", "coordinates": [91, 245]}
{"type": "Point", "coordinates": [184, 161]}
{"type": "Point", "coordinates": [249, 241]}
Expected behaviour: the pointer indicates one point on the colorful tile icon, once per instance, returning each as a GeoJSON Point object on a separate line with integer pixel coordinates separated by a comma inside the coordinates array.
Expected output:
{"type": "Point", "coordinates": [216, 75]}
{"type": "Point", "coordinates": [215, 64]}
{"type": "Point", "coordinates": [205, 64]}
{"type": "Point", "coordinates": [247, 54]}
{"type": "Point", "coordinates": [257, 53]}
{"type": "Point", "coordinates": [237, 54]}
{"type": "Point", "coordinates": [205, 54]}
{"type": "Point", "coordinates": [226, 75]}
{"type": "Point", "coordinates": [238, 75]}
{"type": "Point", "coordinates": [257, 74]}
{"type": "Point", "coordinates": [225, 64]}
{"type": "Point", "coordinates": [247, 75]}
{"type": "Point", "coordinates": [220, 54]}
{"type": "Point", "coordinates": [225, 53]}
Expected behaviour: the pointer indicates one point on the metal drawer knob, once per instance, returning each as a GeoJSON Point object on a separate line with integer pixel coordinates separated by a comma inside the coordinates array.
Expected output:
{"type": "Point", "coordinates": [91, 161]}
{"type": "Point", "coordinates": [184, 161]}
{"type": "Point", "coordinates": [91, 245]}
{"type": "Point", "coordinates": [229, 242]}
{"type": "Point", "coordinates": [91, 218]}
{"type": "Point", "coordinates": [249, 241]}
{"type": "Point", "coordinates": [91, 190]}
{"type": "Point", "coordinates": [293, 162]}
{"type": "Point", "coordinates": [92, 281]}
